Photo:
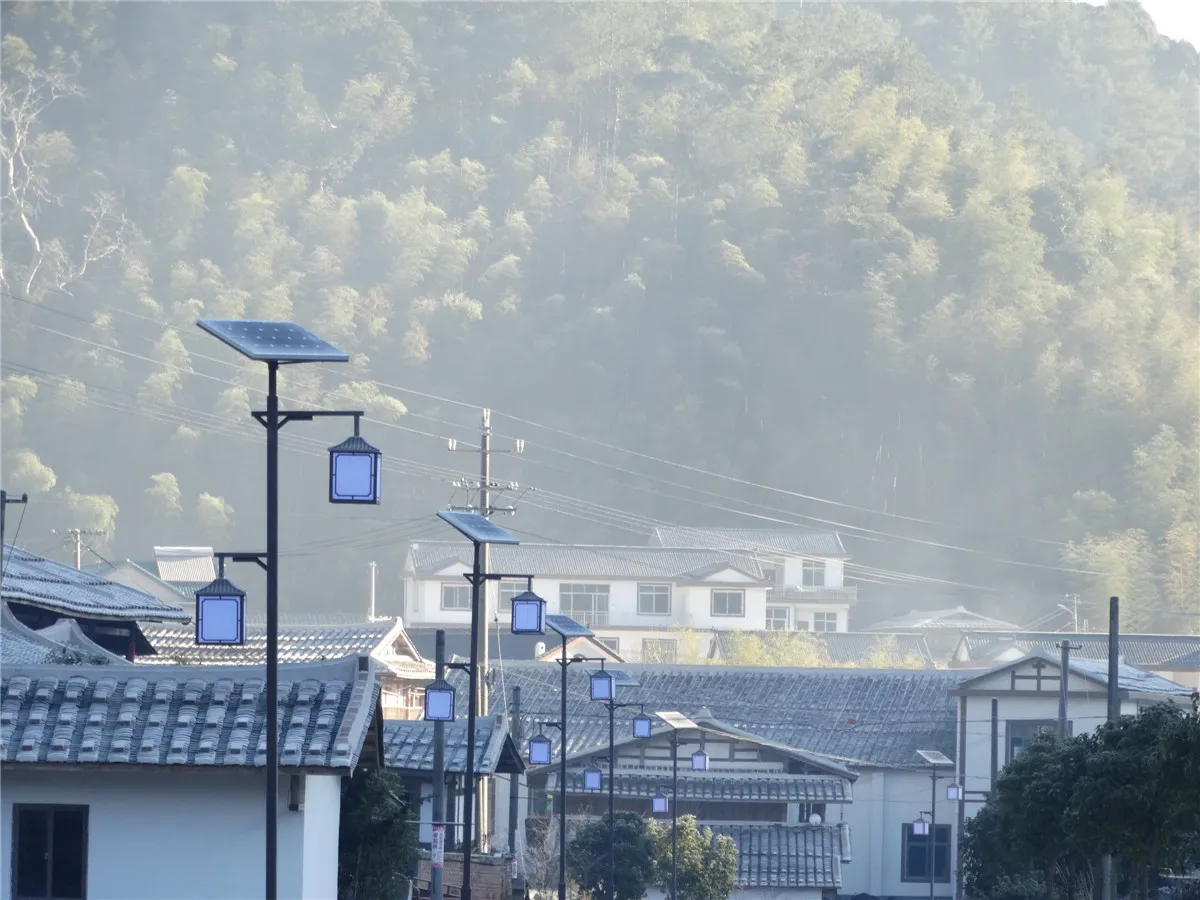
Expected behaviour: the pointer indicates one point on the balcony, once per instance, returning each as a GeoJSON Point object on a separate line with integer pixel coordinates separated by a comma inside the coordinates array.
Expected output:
{"type": "Point", "coordinates": [791, 593]}
{"type": "Point", "coordinates": [592, 618]}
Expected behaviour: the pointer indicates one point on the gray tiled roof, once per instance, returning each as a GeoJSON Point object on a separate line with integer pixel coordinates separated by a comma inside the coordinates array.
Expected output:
{"type": "Point", "coordinates": [185, 715]}
{"type": "Point", "coordinates": [586, 560]}
{"type": "Point", "coordinates": [1129, 678]}
{"type": "Point", "coordinates": [1186, 661]}
{"type": "Point", "coordinates": [1153, 650]}
{"type": "Point", "coordinates": [958, 617]}
{"type": "Point", "coordinates": [408, 746]}
{"type": "Point", "coordinates": [41, 582]}
{"type": "Point", "coordinates": [297, 644]}
{"type": "Point", "coordinates": [849, 647]}
{"type": "Point", "coordinates": [21, 645]}
{"type": "Point", "coordinates": [789, 856]}
{"type": "Point", "coordinates": [749, 787]}
{"type": "Point", "coordinates": [877, 717]}
{"type": "Point", "coordinates": [784, 541]}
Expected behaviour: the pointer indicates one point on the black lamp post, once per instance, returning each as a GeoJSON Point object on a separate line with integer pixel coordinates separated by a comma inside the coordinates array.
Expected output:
{"type": "Point", "coordinates": [479, 531]}
{"type": "Point", "coordinates": [935, 759]}
{"type": "Point", "coordinates": [280, 344]}
{"type": "Point", "coordinates": [603, 687]}
{"type": "Point", "coordinates": [677, 721]}
{"type": "Point", "coordinates": [567, 629]}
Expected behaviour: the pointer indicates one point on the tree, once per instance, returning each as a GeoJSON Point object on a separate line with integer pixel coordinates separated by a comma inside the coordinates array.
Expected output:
{"type": "Point", "coordinates": [588, 857]}
{"type": "Point", "coordinates": [777, 648]}
{"type": "Point", "coordinates": [707, 868]}
{"type": "Point", "coordinates": [377, 846]}
{"type": "Point", "coordinates": [1128, 789]}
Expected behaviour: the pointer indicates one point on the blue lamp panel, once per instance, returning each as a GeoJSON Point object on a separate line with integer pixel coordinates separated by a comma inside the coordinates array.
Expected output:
{"type": "Point", "coordinates": [354, 478]}
{"type": "Point", "coordinates": [220, 620]}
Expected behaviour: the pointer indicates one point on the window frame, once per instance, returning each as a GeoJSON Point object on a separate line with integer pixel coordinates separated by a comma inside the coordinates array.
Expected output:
{"type": "Point", "coordinates": [815, 627]}
{"type": "Point", "coordinates": [787, 618]}
{"type": "Point", "coordinates": [456, 587]}
{"type": "Point", "coordinates": [52, 808]}
{"type": "Point", "coordinates": [907, 836]}
{"type": "Point", "coordinates": [1033, 725]}
{"type": "Point", "coordinates": [659, 645]}
{"type": "Point", "coordinates": [655, 585]}
{"type": "Point", "coordinates": [566, 588]}
{"type": "Point", "coordinates": [810, 569]}
{"type": "Point", "coordinates": [516, 586]}
{"type": "Point", "coordinates": [610, 643]}
{"type": "Point", "coordinates": [740, 593]}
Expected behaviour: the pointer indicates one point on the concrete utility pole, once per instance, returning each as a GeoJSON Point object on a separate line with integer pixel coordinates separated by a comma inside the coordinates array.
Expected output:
{"type": "Point", "coordinates": [1114, 713]}
{"type": "Point", "coordinates": [485, 486]}
{"type": "Point", "coordinates": [514, 795]}
{"type": "Point", "coordinates": [76, 536]}
{"type": "Point", "coordinates": [1064, 678]}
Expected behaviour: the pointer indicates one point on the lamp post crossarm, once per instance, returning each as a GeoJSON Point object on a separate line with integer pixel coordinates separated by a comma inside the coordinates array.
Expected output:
{"type": "Point", "coordinates": [307, 415]}
{"type": "Point", "coordinates": [460, 667]}
{"type": "Point", "coordinates": [239, 557]}
{"type": "Point", "coordinates": [484, 577]}
{"type": "Point", "coordinates": [558, 725]}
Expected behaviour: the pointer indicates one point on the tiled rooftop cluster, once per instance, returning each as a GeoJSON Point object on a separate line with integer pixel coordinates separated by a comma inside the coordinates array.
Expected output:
{"type": "Point", "coordinates": [865, 716]}
{"type": "Point", "coordinates": [756, 788]}
{"type": "Point", "coordinates": [593, 561]}
{"type": "Point", "coordinates": [61, 642]}
{"type": "Point", "coordinates": [1154, 650]}
{"type": "Point", "coordinates": [783, 541]}
{"type": "Point", "coordinates": [38, 581]}
{"type": "Point", "coordinates": [297, 644]}
{"type": "Point", "coordinates": [947, 619]}
{"type": "Point", "coordinates": [789, 856]}
{"type": "Point", "coordinates": [185, 715]}
{"type": "Point", "coordinates": [408, 745]}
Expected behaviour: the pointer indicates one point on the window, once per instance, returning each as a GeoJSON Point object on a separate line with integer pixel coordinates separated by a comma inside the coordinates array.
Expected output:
{"type": "Point", "coordinates": [813, 573]}
{"type": "Point", "coordinates": [613, 644]}
{"type": "Point", "coordinates": [456, 596]}
{"type": "Point", "coordinates": [585, 603]}
{"type": "Point", "coordinates": [778, 618]}
{"type": "Point", "coordinates": [1020, 734]}
{"type": "Point", "coordinates": [508, 590]}
{"type": "Point", "coordinates": [824, 621]}
{"type": "Point", "coordinates": [657, 650]}
{"type": "Point", "coordinates": [49, 852]}
{"type": "Point", "coordinates": [728, 603]}
{"type": "Point", "coordinates": [914, 859]}
{"type": "Point", "coordinates": [654, 599]}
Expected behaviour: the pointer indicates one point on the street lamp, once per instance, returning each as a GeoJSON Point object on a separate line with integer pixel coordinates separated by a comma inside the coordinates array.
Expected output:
{"type": "Point", "coordinates": [935, 759]}
{"type": "Point", "coordinates": [439, 701]}
{"type": "Point", "coordinates": [603, 687]}
{"type": "Point", "coordinates": [528, 614]}
{"type": "Point", "coordinates": [279, 344]}
{"type": "Point", "coordinates": [954, 792]}
{"type": "Point", "coordinates": [659, 804]}
{"type": "Point", "coordinates": [354, 471]}
{"type": "Point", "coordinates": [221, 612]}
{"type": "Point", "coordinates": [567, 629]}
{"type": "Point", "coordinates": [539, 750]}
{"type": "Point", "coordinates": [920, 826]}
{"type": "Point", "coordinates": [593, 779]}
{"type": "Point", "coordinates": [699, 761]}
{"type": "Point", "coordinates": [641, 725]}
{"type": "Point", "coordinates": [675, 721]}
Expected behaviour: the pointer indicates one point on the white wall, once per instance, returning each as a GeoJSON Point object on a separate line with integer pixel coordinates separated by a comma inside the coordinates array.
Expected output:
{"type": "Point", "coordinates": [884, 799]}
{"type": "Point", "coordinates": [793, 572]}
{"type": "Point", "coordinates": [691, 603]}
{"type": "Point", "coordinates": [184, 834]}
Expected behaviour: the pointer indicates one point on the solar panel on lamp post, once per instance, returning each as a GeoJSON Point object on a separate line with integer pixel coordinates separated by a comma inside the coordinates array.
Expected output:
{"type": "Point", "coordinates": [279, 344]}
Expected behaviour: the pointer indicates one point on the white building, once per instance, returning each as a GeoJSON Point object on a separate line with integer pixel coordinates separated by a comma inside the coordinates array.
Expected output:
{"type": "Point", "coordinates": [639, 601]}
{"type": "Point", "coordinates": [1001, 710]}
{"type": "Point", "coordinates": [135, 783]}
{"type": "Point", "coordinates": [805, 569]}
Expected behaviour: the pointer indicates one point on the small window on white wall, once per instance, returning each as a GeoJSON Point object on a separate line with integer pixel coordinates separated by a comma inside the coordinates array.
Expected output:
{"type": "Point", "coordinates": [778, 618]}
{"type": "Point", "coordinates": [729, 603]}
{"type": "Point", "coordinates": [825, 621]}
{"type": "Point", "coordinates": [456, 596]}
{"type": "Point", "coordinates": [813, 574]}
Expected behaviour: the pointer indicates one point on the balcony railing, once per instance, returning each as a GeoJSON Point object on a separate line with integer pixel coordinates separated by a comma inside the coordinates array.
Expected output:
{"type": "Point", "coordinates": [594, 618]}
{"type": "Point", "coordinates": [796, 594]}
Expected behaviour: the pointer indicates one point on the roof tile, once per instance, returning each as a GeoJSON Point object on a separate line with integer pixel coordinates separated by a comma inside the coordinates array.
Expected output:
{"type": "Point", "coordinates": [784, 541]}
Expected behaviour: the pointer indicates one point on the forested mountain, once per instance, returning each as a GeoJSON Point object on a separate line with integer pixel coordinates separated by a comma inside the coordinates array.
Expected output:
{"type": "Point", "coordinates": [933, 262]}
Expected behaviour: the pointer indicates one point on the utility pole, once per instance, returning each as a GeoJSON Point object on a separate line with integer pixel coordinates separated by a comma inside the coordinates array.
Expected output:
{"type": "Point", "coordinates": [484, 486]}
{"type": "Point", "coordinates": [514, 795]}
{"type": "Point", "coordinates": [1114, 713]}
{"type": "Point", "coordinates": [371, 609]}
{"type": "Point", "coordinates": [438, 848]}
{"type": "Point", "coordinates": [1064, 677]}
{"type": "Point", "coordinates": [76, 536]}
{"type": "Point", "coordinates": [4, 501]}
